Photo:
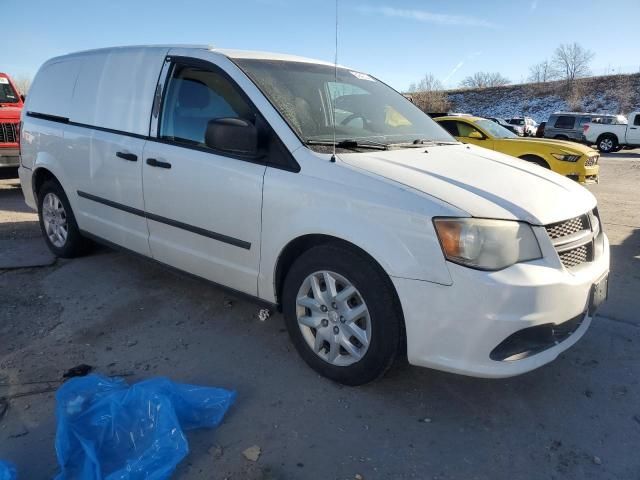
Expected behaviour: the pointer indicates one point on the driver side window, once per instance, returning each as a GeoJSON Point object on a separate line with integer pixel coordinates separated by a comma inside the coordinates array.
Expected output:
{"type": "Point", "coordinates": [465, 130]}
{"type": "Point", "coordinates": [194, 97]}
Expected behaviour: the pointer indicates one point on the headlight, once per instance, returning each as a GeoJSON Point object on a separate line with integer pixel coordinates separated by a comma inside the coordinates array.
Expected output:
{"type": "Point", "coordinates": [566, 158]}
{"type": "Point", "coordinates": [486, 244]}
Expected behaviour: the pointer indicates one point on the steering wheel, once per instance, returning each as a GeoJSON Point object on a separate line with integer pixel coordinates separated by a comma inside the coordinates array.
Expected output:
{"type": "Point", "coordinates": [352, 117]}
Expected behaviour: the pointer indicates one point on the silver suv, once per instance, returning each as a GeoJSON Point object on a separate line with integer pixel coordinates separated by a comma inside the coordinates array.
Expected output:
{"type": "Point", "coordinates": [568, 125]}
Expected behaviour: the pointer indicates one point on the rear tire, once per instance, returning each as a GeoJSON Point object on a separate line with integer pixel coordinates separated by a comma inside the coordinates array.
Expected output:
{"type": "Point", "coordinates": [57, 222]}
{"type": "Point", "coordinates": [347, 347]}
{"type": "Point", "coordinates": [607, 143]}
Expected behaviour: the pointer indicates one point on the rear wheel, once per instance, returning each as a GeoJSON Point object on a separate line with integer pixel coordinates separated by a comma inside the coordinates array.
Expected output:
{"type": "Point", "coordinates": [607, 144]}
{"type": "Point", "coordinates": [57, 221]}
{"type": "Point", "coordinates": [342, 315]}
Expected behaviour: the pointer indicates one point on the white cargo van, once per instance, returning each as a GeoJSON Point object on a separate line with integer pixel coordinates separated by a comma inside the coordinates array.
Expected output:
{"type": "Point", "coordinates": [221, 164]}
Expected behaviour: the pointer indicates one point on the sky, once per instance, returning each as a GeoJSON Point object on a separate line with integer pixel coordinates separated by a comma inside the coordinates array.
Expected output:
{"type": "Point", "coordinates": [398, 41]}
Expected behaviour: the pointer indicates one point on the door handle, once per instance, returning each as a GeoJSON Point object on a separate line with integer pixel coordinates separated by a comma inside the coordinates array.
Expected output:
{"type": "Point", "coordinates": [632, 128]}
{"type": "Point", "coordinates": [156, 163]}
{"type": "Point", "coordinates": [132, 157]}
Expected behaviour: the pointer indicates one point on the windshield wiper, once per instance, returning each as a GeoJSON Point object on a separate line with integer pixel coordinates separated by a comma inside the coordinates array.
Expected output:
{"type": "Point", "coordinates": [350, 144]}
{"type": "Point", "coordinates": [420, 142]}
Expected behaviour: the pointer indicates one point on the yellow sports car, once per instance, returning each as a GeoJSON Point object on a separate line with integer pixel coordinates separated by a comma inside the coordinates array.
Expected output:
{"type": "Point", "coordinates": [572, 160]}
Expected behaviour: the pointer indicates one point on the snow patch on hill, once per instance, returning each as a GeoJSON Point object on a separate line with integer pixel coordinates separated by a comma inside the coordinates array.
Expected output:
{"type": "Point", "coordinates": [611, 94]}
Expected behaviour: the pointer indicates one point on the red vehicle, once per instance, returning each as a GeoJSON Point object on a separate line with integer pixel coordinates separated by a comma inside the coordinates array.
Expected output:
{"type": "Point", "coordinates": [11, 103]}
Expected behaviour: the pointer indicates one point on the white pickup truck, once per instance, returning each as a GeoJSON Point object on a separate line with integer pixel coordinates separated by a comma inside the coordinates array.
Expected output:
{"type": "Point", "coordinates": [611, 137]}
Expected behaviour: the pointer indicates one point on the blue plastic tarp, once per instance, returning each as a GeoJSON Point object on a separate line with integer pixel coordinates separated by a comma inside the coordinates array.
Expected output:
{"type": "Point", "coordinates": [7, 471]}
{"type": "Point", "coordinates": [108, 430]}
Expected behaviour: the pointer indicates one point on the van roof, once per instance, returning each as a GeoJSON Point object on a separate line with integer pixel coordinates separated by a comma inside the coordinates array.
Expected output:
{"type": "Point", "coordinates": [230, 53]}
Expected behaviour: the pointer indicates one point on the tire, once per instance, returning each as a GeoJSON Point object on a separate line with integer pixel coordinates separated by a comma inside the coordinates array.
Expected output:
{"type": "Point", "coordinates": [537, 160]}
{"type": "Point", "coordinates": [370, 287]}
{"type": "Point", "coordinates": [56, 217]}
{"type": "Point", "coordinates": [607, 143]}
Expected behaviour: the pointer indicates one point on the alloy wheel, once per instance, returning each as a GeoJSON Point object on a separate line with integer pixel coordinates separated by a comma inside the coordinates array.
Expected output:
{"type": "Point", "coordinates": [54, 218]}
{"type": "Point", "coordinates": [606, 145]}
{"type": "Point", "coordinates": [333, 318]}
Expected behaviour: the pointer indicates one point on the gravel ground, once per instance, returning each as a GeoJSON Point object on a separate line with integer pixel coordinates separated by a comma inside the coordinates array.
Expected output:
{"type": "Point", "coordinates": [577, 418]}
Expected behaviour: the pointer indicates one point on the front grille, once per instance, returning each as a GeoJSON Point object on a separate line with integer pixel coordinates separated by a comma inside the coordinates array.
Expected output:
{"type": "Point", "coordinates": [568, 227]}
{"type": "Point", "coordinates": [8, 132]}
{"type": "Point", "coordinates": [574, 239]}
{"type": "Point", "coordinates": [577, 256]}
{"type": "Point", "coordinates": [591, 161]}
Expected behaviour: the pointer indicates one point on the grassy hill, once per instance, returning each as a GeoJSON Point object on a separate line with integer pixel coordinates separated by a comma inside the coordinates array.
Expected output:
{"type": "Point", "coordinates": [606, 94]}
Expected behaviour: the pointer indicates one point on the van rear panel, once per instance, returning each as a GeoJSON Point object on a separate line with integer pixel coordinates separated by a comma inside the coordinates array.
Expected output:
{"type": "Point", "coordinates": [116, 87]}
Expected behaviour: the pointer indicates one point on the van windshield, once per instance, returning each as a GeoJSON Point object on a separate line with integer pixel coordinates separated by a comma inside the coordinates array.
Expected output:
{"type": "Point", "coordinates": [366, 110]}
{"type": "Point", "coordinates": [7, 94]}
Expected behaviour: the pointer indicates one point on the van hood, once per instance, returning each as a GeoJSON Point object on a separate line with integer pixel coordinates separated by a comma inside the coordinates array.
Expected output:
{"type": "Point", "coordinates": [10, 113]}
{"type": "Point", "coordinates": [481, 182]}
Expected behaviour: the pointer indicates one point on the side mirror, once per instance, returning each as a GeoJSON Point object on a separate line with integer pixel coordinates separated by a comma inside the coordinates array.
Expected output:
{"type": "Point", "coordinates": [232, 135]}
{"type": "Point", "coordinates": [476, 135]}
{"type": "Point", "coordinates": [23, 98]}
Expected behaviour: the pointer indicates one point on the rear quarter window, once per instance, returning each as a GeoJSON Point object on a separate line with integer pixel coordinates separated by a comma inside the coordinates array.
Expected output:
{"type": "Point", "coordinates": [584, 120]}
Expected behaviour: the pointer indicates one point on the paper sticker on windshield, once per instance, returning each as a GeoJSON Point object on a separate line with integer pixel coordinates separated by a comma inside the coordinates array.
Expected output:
{"type": "Point", "coordinates": [361, 76]}
{"type": "Point", "coordinates": [3, 80]}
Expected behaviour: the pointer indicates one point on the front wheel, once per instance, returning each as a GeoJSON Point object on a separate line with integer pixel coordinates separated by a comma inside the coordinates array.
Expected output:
{"type": "Point", "coordinates": [536, 160]}
{"type": "Point", "coordinates": [342, 315]}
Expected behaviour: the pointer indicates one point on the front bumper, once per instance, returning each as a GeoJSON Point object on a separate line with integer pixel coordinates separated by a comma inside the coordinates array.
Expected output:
{"type": "Point", "coordinates": [584, 174]}
{"type": "Point", "coordinates": [9, 157]}
{"type": "Point", "coordinates": [455, 328]}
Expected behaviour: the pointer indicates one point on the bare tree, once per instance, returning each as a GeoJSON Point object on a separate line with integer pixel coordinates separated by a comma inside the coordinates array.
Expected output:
{"type": "Point", "coordinates": [23, 83]}
{"type": "Point", "coordinates": [428, 94]}
{"type": "Point", "coordinates": [484, 80]}
{"type": "Point", "coordinates": [541, 72]}
{"type": "Point", "coordinates": [428, 83]}
{"type": "Point", "coordinates": [572, 61]}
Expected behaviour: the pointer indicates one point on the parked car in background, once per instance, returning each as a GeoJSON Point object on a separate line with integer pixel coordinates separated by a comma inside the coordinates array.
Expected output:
{"type": "Point", "coordinates": [377, 235]}
{"type": "Point", "coordinates": [528, 125]}
{"type": "Point", "coordinates": [609, 137]}
{"type": "Point", "coordinates": [569, 125]}
{"type": "Point", "coordinates": [577, 162]}
{"type": "Point", "coordinates": [517, 129]}
{"type": "Point", "coordinates": [540, 130]}
{"type": "Point", "coordinates": [11, 103]}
